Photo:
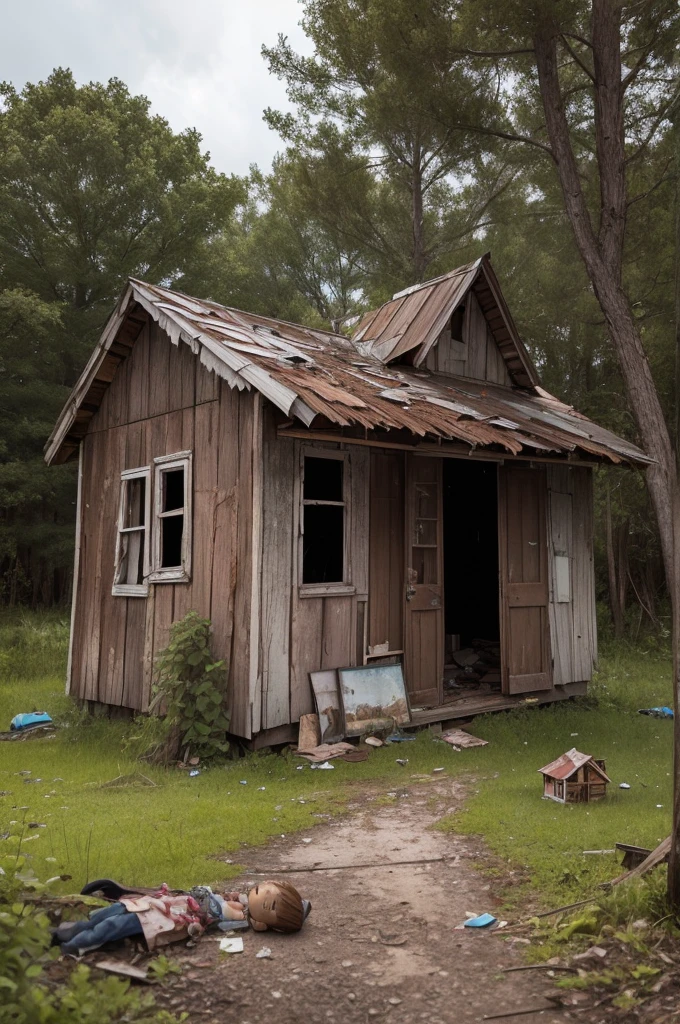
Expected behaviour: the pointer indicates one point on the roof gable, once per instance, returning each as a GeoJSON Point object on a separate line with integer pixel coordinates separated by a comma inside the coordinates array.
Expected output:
{"type": "Point", "coordinates": [413, 320]}
{"type": "Point", "coordinates": [314, 376]}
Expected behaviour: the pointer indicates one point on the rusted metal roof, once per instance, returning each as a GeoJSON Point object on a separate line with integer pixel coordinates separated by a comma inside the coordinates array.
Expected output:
{"type": "Point", "coordinates": [414, 318]}
{"type": "Point", "coordinates": [318, 378]}
{"type": "Point", "coordinates": [565, 766]}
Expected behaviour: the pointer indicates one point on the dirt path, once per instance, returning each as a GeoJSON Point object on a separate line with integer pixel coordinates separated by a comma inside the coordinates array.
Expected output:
{"type": "Point", "coordinates": [342, 965]}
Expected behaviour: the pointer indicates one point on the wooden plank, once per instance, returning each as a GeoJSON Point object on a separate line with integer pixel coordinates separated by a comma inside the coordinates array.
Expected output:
{"type": "Point", "coordinates": [134, 689]}
{"type": "Point", "coordinates": [386, 550]}
{"type": "Point", "coordinates": [207, 385]}
{"type": "Point", "coordinates": [476, 362]}
{"type": "Point", "coordinates": [338, 632]}
{"type": "Point", "coordinates": [206, 436]}
{"type": "Point", "coordinates": [306, 654]}
{"type": "Point", "coordinates": [239, 683]}
{"type": "Point", "coordinates": [583, 575]}
{"type": "Point", "coordinates": [359, 465]}
{"type": "Point", "coordinates": [137, 397]}
{"type": "Point", "coordinates": [75, 585]}
{"type": "Point", "coordinates": [254, 672]}
{"type": "Point", "coordinates": [277, 571]}
{"type": "Point", "coordinates": [225, 529]}
{"type": "Point", "coordinates": [560, 546]}
{"type": "Point", "coordinates": [159, 370]}
{"type": "Point", "coordinates": [113, 610]}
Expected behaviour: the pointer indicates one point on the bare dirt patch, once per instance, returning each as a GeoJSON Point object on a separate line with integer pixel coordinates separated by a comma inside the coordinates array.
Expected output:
{"type": "Point", "coordinates": [346, 964]}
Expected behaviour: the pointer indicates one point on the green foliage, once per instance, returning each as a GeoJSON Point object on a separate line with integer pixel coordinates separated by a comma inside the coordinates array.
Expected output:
{"type": "Point", "coordinates": [28, 996]}
{"type": "Point", "coordinates": [93, 189]}
{"type": "Point", "coordinates": [191, 686]}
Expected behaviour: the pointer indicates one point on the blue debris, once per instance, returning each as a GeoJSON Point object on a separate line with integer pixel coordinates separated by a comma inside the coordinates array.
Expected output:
{"type": "Point", "coordinates": [399, 737]}
{"type": "Point", "coordinates": [29, 720]}
{"type": "Point", "coordinates": [483, 921]}
{"type": "Point", "coordinates": [663, 712]}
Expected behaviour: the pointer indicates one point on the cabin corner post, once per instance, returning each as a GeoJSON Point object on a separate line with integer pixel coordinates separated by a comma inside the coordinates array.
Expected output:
{"type": "Point", "coordinates": [254, 670]}
{"type": "Point", "coordinates": [76, 570]}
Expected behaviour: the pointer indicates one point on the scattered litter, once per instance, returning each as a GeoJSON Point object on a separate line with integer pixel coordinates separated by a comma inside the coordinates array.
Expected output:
{"type": "Point", "coordinates": [29, 721]}
{"type": "Point", "coordinates": [402, 761]}
{"type": "Point", "coordinates": [483, 921]}
{"type": "Point", "coordinates": [373, 741]}
{"type": "Point", "coordinates": [594, 951]}
{"type": "Point", "coordinates": [593, 852]}
{"type": "Point", "coordinates": [324, 751]}
{"type": "Point", "coordinates": [193, 773]}
{"type": "Point", "coordinates": [276, 995]}
{"type": "Point", "coordinates": [306, 840]}
{"type": "Point", "coordinates": [662, 712]}
{"type": "Point", "coordinates": [574, 734]}
{"type": "Point", "coordinates": [264, 954]}
{"type": "Point", "coordinates": [438, 770]}
{"type": "Point", "coordinates": [394, 1000]}
{"type": "Point", "coordinates": [121, 968]}
{"type": "Point", "coordinates": [326, 764]}
{"type": "Point", "coordinates": [299, 767]}
{"type": "Point", "coordinates": [460, 738]}
{"type": "Point", "coordinates": [659, 806]}
{"type": "Point", "coordinates": [399, 737]}
{"type": "Point", "coordinates": [231, 945]}
{"type": "Point", "coordinates": [260, 789]}
{"type": "Point", "coordinates": [352, 756]}
{"type": "Point", "coordinates": [624, 785]}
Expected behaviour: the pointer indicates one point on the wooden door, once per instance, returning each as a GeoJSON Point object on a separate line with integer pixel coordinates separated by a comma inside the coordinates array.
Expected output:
{"type": "Point", "coordinates": [424, 605]}
{"type": "Point", "coordinates": [525, 640]}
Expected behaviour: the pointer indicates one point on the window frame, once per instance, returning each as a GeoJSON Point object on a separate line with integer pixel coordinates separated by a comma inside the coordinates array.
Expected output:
{"type": "Point", "coordinates": [177, 573]}
{"type": "Point", "coordinates": [133, 589]}
{"type": "Point", "coordinates": [326, 589]}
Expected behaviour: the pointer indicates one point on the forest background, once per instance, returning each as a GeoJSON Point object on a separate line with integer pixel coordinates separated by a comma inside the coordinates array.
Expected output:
{"type": "Point", "coordinates": [377, 186]}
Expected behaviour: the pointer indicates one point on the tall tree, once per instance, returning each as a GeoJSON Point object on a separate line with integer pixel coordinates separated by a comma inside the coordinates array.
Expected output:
{"type": "Point", "coordinates": [354, 107]}
{"type": "Point", "coordinates": [93, 188]}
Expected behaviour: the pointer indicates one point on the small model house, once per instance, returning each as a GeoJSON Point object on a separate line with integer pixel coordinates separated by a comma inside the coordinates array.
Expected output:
{"type": "Point", "coordinates": [331, 501]}
{"type": "Point", "coordinates": [574, 778]}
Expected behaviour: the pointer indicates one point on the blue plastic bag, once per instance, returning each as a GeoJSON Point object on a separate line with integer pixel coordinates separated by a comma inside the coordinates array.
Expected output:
{"type": "Point", "coordinates": [28, 721]}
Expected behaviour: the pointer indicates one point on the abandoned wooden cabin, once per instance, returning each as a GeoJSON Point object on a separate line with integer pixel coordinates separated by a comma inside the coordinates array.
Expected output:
{"type": "Point", "coordinates": [575, 778]}
{"type": "Point", "coordinates": [327, 501]}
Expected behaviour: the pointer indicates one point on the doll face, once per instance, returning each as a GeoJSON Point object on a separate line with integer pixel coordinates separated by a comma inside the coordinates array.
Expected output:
{"type": "Point", "coordinates": [262, 903]}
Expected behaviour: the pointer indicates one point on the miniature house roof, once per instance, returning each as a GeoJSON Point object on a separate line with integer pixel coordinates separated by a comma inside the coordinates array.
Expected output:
{"type": "Point", "coordinates": [320, 378]}
{"type": "Point", "coordinates": [566, 765]}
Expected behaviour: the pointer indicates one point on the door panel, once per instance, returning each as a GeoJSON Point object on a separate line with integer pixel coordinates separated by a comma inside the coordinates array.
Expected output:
{"type": "Point", "coordinates": [424, 605]}
{"type": "Point", "coordinates": [526, 664]}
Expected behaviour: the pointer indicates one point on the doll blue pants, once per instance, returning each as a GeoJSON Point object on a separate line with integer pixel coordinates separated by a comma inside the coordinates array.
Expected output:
{"type": "Point", "coordinates": [107, 925]}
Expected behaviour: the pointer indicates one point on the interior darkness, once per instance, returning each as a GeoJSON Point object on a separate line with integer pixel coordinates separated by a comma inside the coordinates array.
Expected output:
{"type": "Point", "coordinates": [457, 323]}
{"type": "Point", "coordinates": [323, 546]}
{"type": "Point", "coordinates": [135, 505]}
{"type": "Point", "coordinates": [173, 489]}
{"type": "Point", "coordinates": [172, 529]}
{"type": "Point", "coordinates": [323, 479]}
{"type": "Point", "coordinates": [471, 550]}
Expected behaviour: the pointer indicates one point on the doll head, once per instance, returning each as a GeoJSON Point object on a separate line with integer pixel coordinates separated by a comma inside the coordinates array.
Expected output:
{"type": "Point", "coordinates": [276, 905]}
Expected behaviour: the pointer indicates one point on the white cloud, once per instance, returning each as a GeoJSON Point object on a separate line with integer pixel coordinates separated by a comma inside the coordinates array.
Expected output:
{"type": "Point", "coordinates": [198, 62]}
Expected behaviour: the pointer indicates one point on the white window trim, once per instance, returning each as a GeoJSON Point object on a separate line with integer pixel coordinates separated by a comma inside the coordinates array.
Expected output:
{"type": "Point", "coordinates": [345, 586]}
{"type": "Point", "coordinates": [180, 573]}
{"type": "Point", "coordinates": [133, 589]}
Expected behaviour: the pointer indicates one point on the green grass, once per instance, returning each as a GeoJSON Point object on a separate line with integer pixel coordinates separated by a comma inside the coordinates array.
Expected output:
{"type": "Point", "coordinates": [175, 831]}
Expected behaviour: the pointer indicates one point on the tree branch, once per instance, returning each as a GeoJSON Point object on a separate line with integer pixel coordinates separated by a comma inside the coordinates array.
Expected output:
{"type": "Point", "coordinates": [572, 52]}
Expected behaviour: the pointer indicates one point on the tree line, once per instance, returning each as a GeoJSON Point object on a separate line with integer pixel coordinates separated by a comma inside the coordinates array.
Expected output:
{"type": "Point", "coordinates": [422, 133]}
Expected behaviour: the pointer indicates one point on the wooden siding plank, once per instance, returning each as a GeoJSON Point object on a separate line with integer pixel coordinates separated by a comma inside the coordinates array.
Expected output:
{"type": "Point", "coordinates": [240, 660]}
{"type": "Point", "coordinates": [583, 575]}
{"type": "Point", "coordinates": [159, 370]}
{"type": "Point", "coordinates": [134, 693]}
{"type": "Point", "coordinates": [559, 546]}
{"type": "Point", "coordinates": [359, 466]}
{"type": "Point", "coordinates": [338, 632]}
{"type": "Point", "coordinates": [386, 550]}
{"type": "Point", "coordinates": [306, 657]}
{"type": "Point", "coordinates": [277, 572]}
{"type": "Point", "coordinates": [476, 340]}
{"type": "Point", "coordinates": [113, 609]}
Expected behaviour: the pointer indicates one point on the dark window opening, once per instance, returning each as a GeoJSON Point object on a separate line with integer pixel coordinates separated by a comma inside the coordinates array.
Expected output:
{"type": "Point", "coordinates": [471, 565]}
{"type": "Point", "coordinates": [322, 552]}
{"type": "Point", "coordinates": [323, 509]}
{"type": "Point", "coordinates": [173, 490]}
{"type": "Point", "coordinates": [172, 530]}
{"type": "Point", "coordinates": [457, 323]}
{"type": "Point", "coordinates": [135, 504]}
{"type": "Point", "coordinates": [323, 479]}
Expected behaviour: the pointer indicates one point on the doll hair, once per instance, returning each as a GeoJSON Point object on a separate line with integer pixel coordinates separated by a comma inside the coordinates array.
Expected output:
{"type": "Point", "coordinates": [287, 905]}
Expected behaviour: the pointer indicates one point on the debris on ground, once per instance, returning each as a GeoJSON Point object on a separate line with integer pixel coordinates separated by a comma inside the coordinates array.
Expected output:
{"type": "Point", "coordinates": [482, 921]}
{"type": "Point", "coordinates": [663, 712]}
{"type": "Point", "coordinates": [461, 739]}
{"type": "Point", "coordinates": [29, 720]}
{"type": "Point", "coordinates": [130, 779]}
{"type": "Point", "coordinates": [123, 969]}
{"type": "Point", "coordinates": [472, 669]}
{"type": "Point", "coordinates": [231, 945]}
{"type": "Point", "coordinates": [324, 751]}
{"type": "Point", "coordinates": [264, 954]}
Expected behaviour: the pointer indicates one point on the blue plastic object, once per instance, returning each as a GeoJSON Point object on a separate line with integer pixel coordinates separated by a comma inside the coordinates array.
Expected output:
{"type": "Point", "coordinates": [663, 712]}
{"type": "Point", "coordinates": [30, 720]}
{"type": "Point", "coordinates": [483, 921]}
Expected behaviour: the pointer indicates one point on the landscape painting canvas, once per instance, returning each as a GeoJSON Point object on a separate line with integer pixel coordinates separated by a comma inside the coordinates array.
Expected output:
{"type": "Point", "coordinates": [373, 698]}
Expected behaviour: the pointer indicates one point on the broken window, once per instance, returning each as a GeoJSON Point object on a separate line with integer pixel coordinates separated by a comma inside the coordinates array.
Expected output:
{"type": "Point", "coordinates": [457, 320]}
{"type": "Point", "coordinates": [132, 549]}
{"type": "Point", "coordinates": [172, 519]}
{"type": "Point", "coordinates": [323, 519]}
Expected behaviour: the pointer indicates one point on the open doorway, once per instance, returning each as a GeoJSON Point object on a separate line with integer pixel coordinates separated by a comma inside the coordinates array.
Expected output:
{"type": "Point", "coordinates": [471, 595]}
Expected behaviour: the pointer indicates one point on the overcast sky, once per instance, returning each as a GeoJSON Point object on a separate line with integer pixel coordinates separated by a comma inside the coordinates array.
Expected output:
{"type": "Point", "coordinates": [198, 61]}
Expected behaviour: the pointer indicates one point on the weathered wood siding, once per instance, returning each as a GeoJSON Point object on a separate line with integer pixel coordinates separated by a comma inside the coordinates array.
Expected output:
{"type": "Point", "coordinates": [573, 630]}
{"type": "Point", "coordinates": [386, 550]}
{"type": "Point", "coordinates": [302, 634]}
{"type": "Point", "coordinates": [476, 356]}
{"type": "Point", "coordinates": [162, 400]}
